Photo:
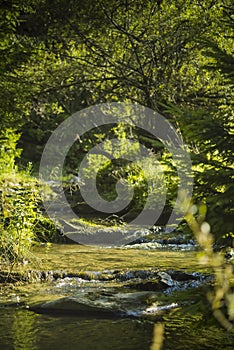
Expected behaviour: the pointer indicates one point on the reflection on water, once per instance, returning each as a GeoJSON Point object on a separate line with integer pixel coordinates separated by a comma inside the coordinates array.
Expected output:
{"type": "Point", "coordinates": [17, 329]}
{"type": "Point", "coordinates": [22, 329]}
{"type": "Point", "coordinates": [195, 331]}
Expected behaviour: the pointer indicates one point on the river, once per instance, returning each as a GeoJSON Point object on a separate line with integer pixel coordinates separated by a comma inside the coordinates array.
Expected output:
{"type": "Point", "coordinates": [110, 298]}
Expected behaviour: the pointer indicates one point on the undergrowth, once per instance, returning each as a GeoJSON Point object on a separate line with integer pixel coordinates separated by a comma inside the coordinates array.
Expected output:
{"type": "Point", "coordinates": [22, 223]}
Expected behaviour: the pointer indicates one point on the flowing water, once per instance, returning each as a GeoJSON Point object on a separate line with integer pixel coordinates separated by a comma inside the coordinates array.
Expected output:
{"type": "Point", "coordinates": [100, 298]}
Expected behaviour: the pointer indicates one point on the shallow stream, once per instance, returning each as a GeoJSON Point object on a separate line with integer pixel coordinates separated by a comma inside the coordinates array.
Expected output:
{"type": "Point", "coordinates": [106, 298]}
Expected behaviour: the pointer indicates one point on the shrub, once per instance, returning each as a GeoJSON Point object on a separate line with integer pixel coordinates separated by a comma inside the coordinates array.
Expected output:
{"type": "Point", "coordinates": [21, 215]}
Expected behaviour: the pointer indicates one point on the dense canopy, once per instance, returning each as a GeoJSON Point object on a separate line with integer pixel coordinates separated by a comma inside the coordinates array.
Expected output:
{"type": "Point", "coordinates": [58, 57]}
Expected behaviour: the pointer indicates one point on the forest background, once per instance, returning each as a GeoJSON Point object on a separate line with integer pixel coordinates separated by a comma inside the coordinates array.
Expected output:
{"type": "Point", "coordinates": [59, 57]}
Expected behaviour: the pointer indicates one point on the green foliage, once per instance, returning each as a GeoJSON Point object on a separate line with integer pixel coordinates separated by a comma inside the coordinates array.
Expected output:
{"type": "Point", "coordinates": [8, 150]}
{"type": "Point", "coordinates": [20, 213]}
{"type": "Point", "coordinates": [19, 195]}
{"type": "Point", "coordinates": [222, 297]}
{"type": "Point", "coordinates": [58, 57]}
{"type": "Point", "coordinates": [209, 132]}
{"type": "Point", "coordinates": [129, 168]}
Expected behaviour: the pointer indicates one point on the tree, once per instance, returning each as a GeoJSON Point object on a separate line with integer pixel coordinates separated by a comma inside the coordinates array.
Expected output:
{"type": "Point", "coordinates": [209, 132]}
{"type": "Point", "coordinates": [68, 55]}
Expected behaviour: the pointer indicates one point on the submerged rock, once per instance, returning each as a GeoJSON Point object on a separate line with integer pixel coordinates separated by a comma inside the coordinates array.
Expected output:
{"type": "Point", "coordinates": [184, 276]}
{"type": "Point", "coordinates": [111, 293]}
{"type": "Point", "coordinates": [108, 303]}
{"type": "Point", "coordinates": [138, 241]}
{"type": "Point", "coordinates": [153, 285]}
{"type": "Point", "coordinates": [70, 305]}
{"type": "Point", "coordinates": [161, 245]}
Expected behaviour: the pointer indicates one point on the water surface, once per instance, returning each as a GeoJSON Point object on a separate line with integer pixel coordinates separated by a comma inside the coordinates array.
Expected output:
{"type": "Point", "coordinates": [188, 325]}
